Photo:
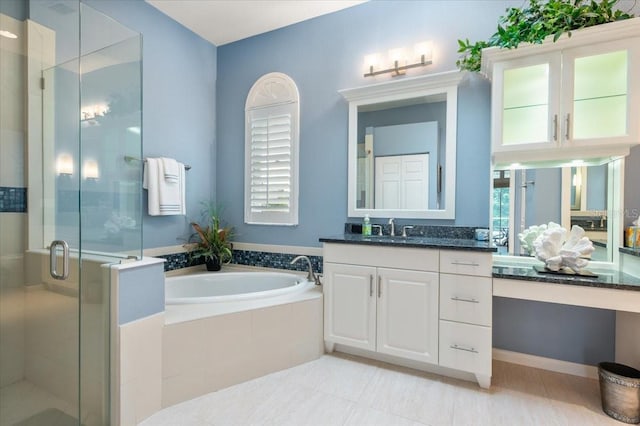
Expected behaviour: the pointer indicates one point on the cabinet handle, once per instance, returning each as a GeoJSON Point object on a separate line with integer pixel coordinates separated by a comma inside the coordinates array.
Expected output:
{"type": "Point", "coordinates": [461, 348]}
{"type": "Point", "coordinates": [568, 123]}
{"type": "Point", "coordinates": [461, 299]}
{"type": "Point", "coordinates": [379, 286]}
{"type": "Point", "coordinates": [465, 263]}
{"type": "Point", "coordinates": [370, 285]}
{"type": "Point", "coordinates": [555, 127]}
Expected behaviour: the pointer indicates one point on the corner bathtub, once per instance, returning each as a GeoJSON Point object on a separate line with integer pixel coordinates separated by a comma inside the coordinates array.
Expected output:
{"type": "Point", "coordinates": [214, 287]}
{"type": "Point", "coordinates": [223, 328]}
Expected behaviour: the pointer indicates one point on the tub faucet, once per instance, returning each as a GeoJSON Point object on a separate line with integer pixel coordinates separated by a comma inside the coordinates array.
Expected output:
{"type": "Point", "coordinates": [311, 276]}
{"type": "Point", "coordinates": [393, 227]}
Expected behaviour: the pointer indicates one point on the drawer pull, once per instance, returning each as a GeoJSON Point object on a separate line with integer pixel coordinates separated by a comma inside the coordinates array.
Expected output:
{"type": "Point", "coordinates": [461, 299]}
{"type": "Point", "coordinates": [460, 348]}
{"type": "Point", "coordinates": [379, 286]}
{"type": "Point", "coordinates": [465, 263]}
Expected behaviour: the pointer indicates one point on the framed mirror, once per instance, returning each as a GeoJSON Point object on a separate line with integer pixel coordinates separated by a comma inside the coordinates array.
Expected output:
{"type": "Point", "coordinates": [402, 147]}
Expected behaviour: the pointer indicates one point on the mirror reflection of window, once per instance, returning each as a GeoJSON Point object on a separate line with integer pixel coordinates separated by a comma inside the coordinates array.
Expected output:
{"type": "Point", "coordinates": [501, 202]}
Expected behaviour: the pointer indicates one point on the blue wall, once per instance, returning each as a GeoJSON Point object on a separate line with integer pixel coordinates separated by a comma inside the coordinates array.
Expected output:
{"type": "Point", "coordinates": [179, 104]}
{"type": "Point", "coordinates": [324, 55]}
{"type": "Point", "coordinates": [17, 9]}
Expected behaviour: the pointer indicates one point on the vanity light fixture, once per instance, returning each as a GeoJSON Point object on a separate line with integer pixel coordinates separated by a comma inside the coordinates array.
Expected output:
{"type": "Point", "coordinates": [398, 60]}
{"type": "Point", "coordinates": [64, 165]}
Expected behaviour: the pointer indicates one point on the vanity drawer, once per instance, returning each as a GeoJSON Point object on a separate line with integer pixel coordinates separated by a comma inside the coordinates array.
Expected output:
{"type": "Point", "coordinates": [465, 262]}
{"type": "Point", "coordinates": [418, 259]}
{"type": "Point", "coordinates": [465, 347]}
{"type": "Point", "coordinates": [465, 298]}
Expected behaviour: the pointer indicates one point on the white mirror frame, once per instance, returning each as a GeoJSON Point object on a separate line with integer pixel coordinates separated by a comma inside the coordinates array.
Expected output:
{"type": "Point", "coordinates": [407, 88]}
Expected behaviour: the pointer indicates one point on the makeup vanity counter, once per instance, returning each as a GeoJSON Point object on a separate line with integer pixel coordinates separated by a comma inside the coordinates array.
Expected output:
{"type": "Point", "coordinates": [611, 289]}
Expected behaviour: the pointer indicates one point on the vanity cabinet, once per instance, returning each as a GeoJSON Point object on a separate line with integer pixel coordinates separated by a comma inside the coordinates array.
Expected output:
{"type": "Point", "coordinates": [386, 310]}
{"type": "Point", "coordinates": [466, 297]}
{"type": "Point", "coordinates": [572, 99]}
{"type": "Point", "coordinates": [420, 304]}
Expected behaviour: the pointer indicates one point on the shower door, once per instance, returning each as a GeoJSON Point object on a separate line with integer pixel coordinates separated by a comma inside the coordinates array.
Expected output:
{"type": "Point", "coordinates": [70, 113]}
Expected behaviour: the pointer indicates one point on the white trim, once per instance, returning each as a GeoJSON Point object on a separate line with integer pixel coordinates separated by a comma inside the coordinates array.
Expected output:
{"type": "Point", "coordinates": [269, 248]}
{"type": "Point", "coordinates": [550, 364]}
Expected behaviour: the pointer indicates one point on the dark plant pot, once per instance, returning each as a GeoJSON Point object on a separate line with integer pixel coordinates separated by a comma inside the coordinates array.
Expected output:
{"type": "Point", "coordinates": [213, 264]}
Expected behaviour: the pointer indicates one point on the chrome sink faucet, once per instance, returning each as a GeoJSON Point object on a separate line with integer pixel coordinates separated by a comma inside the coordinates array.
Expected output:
{"type": "Point", "coordinates": [378, 229]}
{"type": "Point", "coordinates": [311, 276]}
{"type": "Point", "coordinates": [404, 230]}
{"type": "Point", "coordinates": [393, 227]}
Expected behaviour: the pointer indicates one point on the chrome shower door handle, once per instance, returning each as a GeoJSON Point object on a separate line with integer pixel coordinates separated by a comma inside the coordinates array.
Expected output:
{"type": "Point", "coordinates": [53, 260]}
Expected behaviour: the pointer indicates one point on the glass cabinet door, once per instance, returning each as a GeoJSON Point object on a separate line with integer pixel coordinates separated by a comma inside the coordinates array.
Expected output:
{"type": "Point", "coordinates": [599, 104]}
{"type": "Point", "coordinates": [527, 102]}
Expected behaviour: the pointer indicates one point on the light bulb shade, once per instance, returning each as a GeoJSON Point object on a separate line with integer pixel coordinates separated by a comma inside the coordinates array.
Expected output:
{"type": "Point", "coordinates": [398, 56]}
{"type": "Point", "coordinates": [371, 62]}
{"type": "Point", "coordinates": [90, 169]}
{"type": "Point", "coordinates": [64, 165]}
{"type": "Point", "coordinates": [423, 50]}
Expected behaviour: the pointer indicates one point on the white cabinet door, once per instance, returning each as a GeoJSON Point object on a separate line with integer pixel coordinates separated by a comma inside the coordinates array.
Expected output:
{"type": "Point", "coordinates": [350, 305]}
{"type": "Point", "coordinates": [408, 314]}
{"type": "Point", "coordinates": [525, 103]}
{"type": "Point", "coordinates": [600, 95]}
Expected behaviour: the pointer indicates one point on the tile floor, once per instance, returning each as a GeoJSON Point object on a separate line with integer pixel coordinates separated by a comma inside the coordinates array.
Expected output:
{"type": "Point", "coordinates": [344, 390]}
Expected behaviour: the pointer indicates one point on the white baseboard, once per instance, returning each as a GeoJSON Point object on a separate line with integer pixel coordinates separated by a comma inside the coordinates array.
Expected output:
{"type": "Point", "coordinates": [543, 363]}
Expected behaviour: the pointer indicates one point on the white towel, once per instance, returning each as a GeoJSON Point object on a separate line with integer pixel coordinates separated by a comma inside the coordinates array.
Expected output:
{"type": "Point", "coordinates": [171, 169]}
{"type": "Point", "coordinates": [164, 198]}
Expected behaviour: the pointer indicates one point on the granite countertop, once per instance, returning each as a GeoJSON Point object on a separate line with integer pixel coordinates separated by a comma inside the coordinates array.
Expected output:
{"type": "Point", "coordinates": [412, 241]}
{"type": "Point", "coordinates": [606, 278]}
{"type": "Point", "coordinates": [630, 251]}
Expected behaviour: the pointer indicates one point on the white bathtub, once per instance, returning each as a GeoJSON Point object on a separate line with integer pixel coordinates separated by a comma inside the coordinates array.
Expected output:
{"type": "Point", "coordinates": [211, 287]}
{"type": "Point", "coordinates": [223, 328]}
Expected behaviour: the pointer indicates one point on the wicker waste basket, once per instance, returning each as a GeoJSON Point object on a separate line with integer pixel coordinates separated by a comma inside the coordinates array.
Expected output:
{"type": "Point", "coordinates": [620, 391]}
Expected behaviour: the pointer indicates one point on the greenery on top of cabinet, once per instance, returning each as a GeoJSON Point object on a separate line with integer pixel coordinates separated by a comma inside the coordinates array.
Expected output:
{"type": "Point", "coordinates": [538, 20]}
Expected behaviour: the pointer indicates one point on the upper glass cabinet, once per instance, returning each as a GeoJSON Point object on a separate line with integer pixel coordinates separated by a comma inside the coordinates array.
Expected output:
{"type": "Point", "coordinates": [402, 147]}
{"type": "Point", "coordinates": [573, 99]}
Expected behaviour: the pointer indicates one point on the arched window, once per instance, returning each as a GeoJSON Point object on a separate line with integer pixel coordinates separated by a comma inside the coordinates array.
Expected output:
{"type": "Point", "coordinates": [272, 139]}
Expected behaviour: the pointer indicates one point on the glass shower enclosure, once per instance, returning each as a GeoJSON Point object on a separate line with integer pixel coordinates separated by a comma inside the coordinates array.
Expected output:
{"type": "Point", "coordinates": [70, 143]}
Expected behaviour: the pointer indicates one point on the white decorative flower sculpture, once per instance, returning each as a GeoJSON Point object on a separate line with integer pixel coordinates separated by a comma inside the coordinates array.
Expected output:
{"type": "Point", "coordinates": [557, 252]}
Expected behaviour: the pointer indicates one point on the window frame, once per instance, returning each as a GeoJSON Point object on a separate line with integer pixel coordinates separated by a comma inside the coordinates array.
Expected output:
{"type": "Point", "coordinates": [271, 94]}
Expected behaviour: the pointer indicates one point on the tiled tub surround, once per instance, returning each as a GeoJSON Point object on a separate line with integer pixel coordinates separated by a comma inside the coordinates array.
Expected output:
{"type": "Point", "coordinates": [246, 257]}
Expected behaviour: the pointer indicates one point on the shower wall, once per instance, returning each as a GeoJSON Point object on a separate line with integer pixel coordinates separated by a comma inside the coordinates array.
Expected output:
{"type": "Point", "coordinates": [13, 218]}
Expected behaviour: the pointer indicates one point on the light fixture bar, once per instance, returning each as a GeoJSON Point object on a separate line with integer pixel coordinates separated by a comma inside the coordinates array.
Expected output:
{"type": "Point", "coordinates": [398, 70]}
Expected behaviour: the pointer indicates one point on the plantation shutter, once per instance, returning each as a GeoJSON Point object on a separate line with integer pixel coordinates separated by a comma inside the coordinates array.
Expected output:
{"type": "Point", "coordinates": [270, 162]}
{"type": "Point", "coordinates": [271, 152]}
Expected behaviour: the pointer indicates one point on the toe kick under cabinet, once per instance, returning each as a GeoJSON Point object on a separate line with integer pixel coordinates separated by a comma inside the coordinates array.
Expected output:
{"type": "Point", "coordinates": [420, 304]}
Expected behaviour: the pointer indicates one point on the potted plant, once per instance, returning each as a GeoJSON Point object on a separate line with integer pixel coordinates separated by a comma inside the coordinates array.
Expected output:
{"type": "Point", "coordinates": [537, 21]}
{"type": "Point", "coordinates": [214, 245]}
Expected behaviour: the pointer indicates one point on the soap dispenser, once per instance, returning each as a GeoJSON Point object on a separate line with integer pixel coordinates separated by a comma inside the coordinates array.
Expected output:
{"type": "Point", "coordinates": [366, 226]}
